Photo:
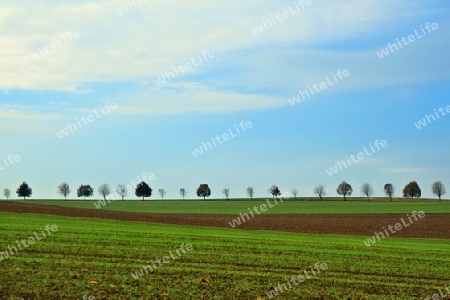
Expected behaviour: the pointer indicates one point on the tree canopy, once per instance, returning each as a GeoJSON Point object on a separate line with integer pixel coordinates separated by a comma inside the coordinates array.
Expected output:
{"type": "Point", "coordinates": [203, 191]}
{"type": "Point", "coordinates": [344, 189]}
{"type": "Point", "coordinates": [275, 191]}
{"type": "Point", "coordinates": [24, 190]}
{"type": "Point", "coordinates": [85, 191]}
{"type": "Point", "coordinates": [412, 190]}
{"type": "Point", "coordinates": [143, 190]}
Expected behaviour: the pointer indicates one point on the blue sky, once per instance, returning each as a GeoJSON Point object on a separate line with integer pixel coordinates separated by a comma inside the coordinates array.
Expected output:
{"type": "Point", "coordinates": [251, 77]}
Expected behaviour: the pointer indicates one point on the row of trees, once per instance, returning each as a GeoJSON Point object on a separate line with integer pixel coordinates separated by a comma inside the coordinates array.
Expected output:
{"type": "Point", "coordinates": [142, 190]}
{"type": "Point", "coordinates": [411, 190]}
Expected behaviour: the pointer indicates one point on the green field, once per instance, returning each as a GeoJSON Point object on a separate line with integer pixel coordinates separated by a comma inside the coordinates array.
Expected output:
{"type": "Point", "coordinates": [92, 257]}
{"type": "Point", "coordinates": [236, 207]}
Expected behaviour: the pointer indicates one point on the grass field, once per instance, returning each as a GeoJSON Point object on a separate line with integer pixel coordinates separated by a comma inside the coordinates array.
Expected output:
{"type": "Point", "coordinates": [92, 257]}
{"type": "Point", "coordinates": [236, 207]}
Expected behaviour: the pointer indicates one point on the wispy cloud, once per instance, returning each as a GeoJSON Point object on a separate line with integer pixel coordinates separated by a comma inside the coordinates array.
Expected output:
{"type": "Point", "coordinates": [193, 98]}
{"type": "Point", "coordinates": [120, 53]}
{"type": "Point", "coordinates": [17, 113]}
{"type": "Point", "coordinates": [410, 170]}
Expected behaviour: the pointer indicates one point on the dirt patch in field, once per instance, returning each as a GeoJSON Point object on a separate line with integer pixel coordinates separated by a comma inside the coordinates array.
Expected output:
{"type": "Point", "coordinates": [431, 226]}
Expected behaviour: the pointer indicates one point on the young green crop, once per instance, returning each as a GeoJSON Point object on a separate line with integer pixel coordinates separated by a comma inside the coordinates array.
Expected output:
{"type": "Point", "coordinates": [97, 258]}
{"type": "Point", "coordinates": [236, 207]}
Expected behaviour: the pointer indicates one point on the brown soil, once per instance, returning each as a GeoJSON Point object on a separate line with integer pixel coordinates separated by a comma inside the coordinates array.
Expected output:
{"type": "Point", "coordinates": [431, 226]}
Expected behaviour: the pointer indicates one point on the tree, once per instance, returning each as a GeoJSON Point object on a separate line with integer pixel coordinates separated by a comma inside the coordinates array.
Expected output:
{"type": "Point", "coordinates": [319, 191]}
{"type": "Point", "coordinates": [275, 191]}
{"type": "Point", "coordinates": [389, 190]}
{"type": "Point", "coordinates": [104, 190]}
{"type": "Point", "coordinates": [64, 190]}
{"type": "Point", "coordinates": [24, 190]}
{"type": "Point", "coordinates": [122, 190]}
{"type": "Point", "coordinates": [143, 190]}
{"type": "Point", "coordinates": [250, 192]}
{"type": "Point", "coordinates": [295, 193]}
{"type": "Point", "coordinates": [203, 191]}
{"type": "Point", "coordinates": [85, 191]}
{"type": "Point", "coordinates": [7, 193]}
{"type": "Point", "coordinates": [367, 190]}
{"type": "Point", "coordinates": [344, 189]}
{"type": "Point", "coordinates": [438, 189]}
{"type": "Point", "coordinates": [226, 192]}
{"type": "Point", "coordinates": [183, 192]}
{"type": "Point", "coordinates": [162, 193]}
{"type": "Point", "coordinates": [412, 190]}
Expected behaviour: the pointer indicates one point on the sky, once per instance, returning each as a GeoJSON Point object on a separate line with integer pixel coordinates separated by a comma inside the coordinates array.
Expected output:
{"type": "Point", "coordinates": [95, 92]}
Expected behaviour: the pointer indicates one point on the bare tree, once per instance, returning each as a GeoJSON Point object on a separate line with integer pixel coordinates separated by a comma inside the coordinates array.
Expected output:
{"type": "Point", "coordinates": [104, 190]}
{"type": "Point", "coordinates": [344, 189]}
{"type": "Point", "coordinates": [250, 192]}
{"type": "Point", "coordinates": [64, 190]}
{"type": "Point", "coordinates": [389, 190]}
{"type": "Point", "coordinates": [320, 191]}
{"type": "Point", "coordinates": [162, 193]}
{"type": "Point", "coordinates": [367, 190]}
{"type": "Point", "coordinates": [122, 190]}
{"type": "Point", "coordinates": [7, 193]}
{"type": "Point", "coordinates": [295, 193]}
{"type": "Point", "coordinates": [183, 192]}
{"type": "Point", "coordinates": [226, 192]}
{"type": "Point", "coordinates": [438, 189]}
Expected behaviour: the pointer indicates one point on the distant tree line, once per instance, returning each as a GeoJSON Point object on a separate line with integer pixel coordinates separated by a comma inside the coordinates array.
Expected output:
{"type": "Point", "coordinates": [411, 190]}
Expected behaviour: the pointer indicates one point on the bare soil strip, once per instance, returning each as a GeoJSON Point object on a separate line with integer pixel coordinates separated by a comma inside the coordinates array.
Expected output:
{"type": "Point", "coordinates": [431, 226]}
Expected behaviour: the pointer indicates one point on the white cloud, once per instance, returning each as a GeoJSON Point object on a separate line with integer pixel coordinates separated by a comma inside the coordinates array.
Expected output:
{"type": "Point", "coordinates": [409, 170]}
{"type": "Point", "coordinates": [184, 98]}
{"type": "Point", "coordinates": [150, 39]}
{"type": "Point", "coordinates": [19, 113]}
